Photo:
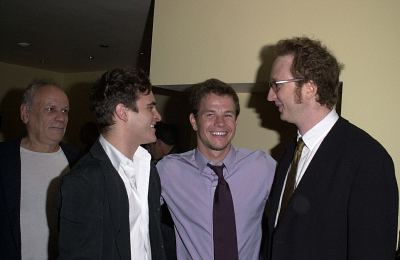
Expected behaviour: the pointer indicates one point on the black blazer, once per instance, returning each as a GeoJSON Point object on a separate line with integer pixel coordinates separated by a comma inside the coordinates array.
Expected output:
{"type": "Point", "coordinates": [94, 218]}
{"type": "Point", "coordinates": [10, 196]}
{"type": "Point", "coordinates": [345, 206]}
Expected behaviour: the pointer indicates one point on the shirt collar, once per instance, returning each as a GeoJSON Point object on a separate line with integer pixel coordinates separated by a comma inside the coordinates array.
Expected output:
{"type": "Point", "coordinates": [228, 161]}
{"type": "Point", "coordinates": [320, 130]}
{"type": "Point", "coordinates": [117, 158]}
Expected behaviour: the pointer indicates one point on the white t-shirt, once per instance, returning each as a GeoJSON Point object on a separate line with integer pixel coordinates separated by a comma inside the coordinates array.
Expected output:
{"type": "Point", "coordinates": [40, 179]}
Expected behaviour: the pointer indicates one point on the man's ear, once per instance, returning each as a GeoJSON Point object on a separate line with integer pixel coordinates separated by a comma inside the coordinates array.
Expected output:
{"type": "Point", "coordinates": [121, 112]}
{"type": "Point", "coordinates": [24, 113]}
{"type": "Point", "coordinates": [193, 122]}
{"type": "Point", "coordinates": [310, 89]}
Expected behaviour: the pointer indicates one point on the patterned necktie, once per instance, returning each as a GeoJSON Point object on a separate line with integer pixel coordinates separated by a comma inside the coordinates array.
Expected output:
{"type": "Point", "coordinates": [291, 178]}
{"type": "Point", "coordinates": [224, 226]}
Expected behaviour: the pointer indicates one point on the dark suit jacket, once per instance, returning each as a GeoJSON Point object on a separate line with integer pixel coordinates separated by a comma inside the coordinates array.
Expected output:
{"type": "Point", "coordinates": [94, 221]}
{"type": "Point", "coordinates": [345, 206]}
{"type": "Point", "coordinates": [10, 197]}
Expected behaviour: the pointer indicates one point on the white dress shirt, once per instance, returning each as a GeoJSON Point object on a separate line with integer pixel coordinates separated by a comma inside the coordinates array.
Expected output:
{"type": "Point", "coordinates": [312, 140]}
{"type": "Point", "coordinates": [135, 174]}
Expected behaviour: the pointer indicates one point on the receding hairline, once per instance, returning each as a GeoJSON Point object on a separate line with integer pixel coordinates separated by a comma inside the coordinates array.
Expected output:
{"type": "Point", "coordinates": [30, 95]}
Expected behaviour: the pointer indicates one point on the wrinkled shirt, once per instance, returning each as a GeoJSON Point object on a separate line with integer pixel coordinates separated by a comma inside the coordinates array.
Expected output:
{"type": "Point", "coordinates": [188, 187]}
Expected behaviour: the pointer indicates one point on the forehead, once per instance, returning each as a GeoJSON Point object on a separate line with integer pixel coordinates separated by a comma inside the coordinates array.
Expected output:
{"type": "Point", "coordinates": [145, 99]}
{"type": "Point", "coordinates": [281, 67]}
{"type": "Point", "coordinates": [212, 101]}
{"type": "Point", "coordinates": [50, 94]}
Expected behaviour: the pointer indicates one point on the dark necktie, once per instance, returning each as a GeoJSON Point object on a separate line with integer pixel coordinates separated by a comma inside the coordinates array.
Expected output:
{"type": "Point", "coordinates": [291, 177]}
{"type": "Point", "coordinates": [224, 231]}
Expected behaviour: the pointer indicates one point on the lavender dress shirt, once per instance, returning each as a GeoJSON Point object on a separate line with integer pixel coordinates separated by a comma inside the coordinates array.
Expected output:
{"type": "Point", "coordinates": [188, 187]}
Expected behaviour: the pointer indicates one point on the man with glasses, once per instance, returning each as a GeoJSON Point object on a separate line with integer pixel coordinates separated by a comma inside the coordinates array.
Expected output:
{"type": "Point", "coordinates": [335, 195]}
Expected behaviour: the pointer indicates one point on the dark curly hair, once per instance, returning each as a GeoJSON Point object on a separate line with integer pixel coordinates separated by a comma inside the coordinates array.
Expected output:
{"type": "Point", "coordinates": [200, 90]}
{"type": "Point", "coordinates": [117, 86]}
{"type": "Point", "coordinates": [313, 61]}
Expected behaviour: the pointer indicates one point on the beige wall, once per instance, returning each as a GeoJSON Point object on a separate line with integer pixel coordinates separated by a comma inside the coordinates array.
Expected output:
{"type": "Point", "coordinates": [195, 40]}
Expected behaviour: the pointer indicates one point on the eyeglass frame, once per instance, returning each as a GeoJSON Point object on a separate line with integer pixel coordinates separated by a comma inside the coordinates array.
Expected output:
{"type": "Point", "coordinates": [275, 84]}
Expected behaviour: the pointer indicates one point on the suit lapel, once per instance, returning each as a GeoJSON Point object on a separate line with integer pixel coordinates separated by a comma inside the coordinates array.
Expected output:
{"type": "Point", "coordinates": [324, 159]}
{"type": "Point", "coordinates": [116, 201]}
{"type": "Point", "coordinates": [322, 163]}
{"type": "Point", "coordinates": [279, 180]}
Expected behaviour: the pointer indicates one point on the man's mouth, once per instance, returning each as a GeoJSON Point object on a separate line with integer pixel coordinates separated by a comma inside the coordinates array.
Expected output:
{"type": "Point", "coordinates": [219, 133]}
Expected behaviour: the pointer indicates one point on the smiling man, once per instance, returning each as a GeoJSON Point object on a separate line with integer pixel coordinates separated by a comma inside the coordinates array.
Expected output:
{"type": "Point", "coordinates": [216, 193]}
{"type": "Point", "coordinates": [30, 170]}
{"type": "Point", "coordinates": [111, 199]}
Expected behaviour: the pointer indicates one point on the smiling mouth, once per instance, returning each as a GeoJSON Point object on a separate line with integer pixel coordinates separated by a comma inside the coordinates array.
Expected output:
{"type": "Point", "coordinates": [279, 106]}
{"type": "Point", "coordinates": [219, 133]}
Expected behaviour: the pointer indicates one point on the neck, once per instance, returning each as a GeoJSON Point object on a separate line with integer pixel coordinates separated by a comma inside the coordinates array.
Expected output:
{"type": "Point", "coordinates": [118, 141]}
{"type": "Point", "coordinates": [312, 118]}
{"type": "Point", "coordinates": [32, 145]}
{"type": "Point", "coordinates": [215, 156]}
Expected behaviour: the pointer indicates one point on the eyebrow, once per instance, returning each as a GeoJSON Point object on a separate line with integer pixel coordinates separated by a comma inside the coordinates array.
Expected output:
{"type": "Point", "coordinates": [214, 111]}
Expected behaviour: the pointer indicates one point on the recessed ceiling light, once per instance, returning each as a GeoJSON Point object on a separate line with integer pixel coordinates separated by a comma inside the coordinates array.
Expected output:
{"type": "Point", "coordinates": [23, 44]}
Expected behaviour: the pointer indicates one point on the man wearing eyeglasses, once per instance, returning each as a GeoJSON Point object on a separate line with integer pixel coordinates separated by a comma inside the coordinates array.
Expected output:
{"type": "Point", "coordinates": [335, 195]}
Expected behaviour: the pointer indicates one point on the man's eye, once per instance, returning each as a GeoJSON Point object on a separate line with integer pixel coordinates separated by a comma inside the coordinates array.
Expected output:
{"type": "Point", "coordinates": [49, 109]}
{"type": "Point", "coordinates": [65, 110]}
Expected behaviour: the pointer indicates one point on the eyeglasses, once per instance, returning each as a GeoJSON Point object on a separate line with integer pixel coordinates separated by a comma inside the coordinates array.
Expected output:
{"type": "Point", "coordinates": [277, 84]}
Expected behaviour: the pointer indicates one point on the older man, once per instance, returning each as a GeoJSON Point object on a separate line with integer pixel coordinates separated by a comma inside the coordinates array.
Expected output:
{"type": "Point", "coordinates": [29, 175]}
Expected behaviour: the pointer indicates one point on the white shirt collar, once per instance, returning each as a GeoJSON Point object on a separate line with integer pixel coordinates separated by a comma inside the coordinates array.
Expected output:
{"type": "Point", "coordinates": [313, 136]}
{"type": "Point", "coordinates": [117, 158]}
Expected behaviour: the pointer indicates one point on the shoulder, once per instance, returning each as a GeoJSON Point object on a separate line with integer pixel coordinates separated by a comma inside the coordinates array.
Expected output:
{"type": "Point", "coordinates": [354, 146]}
{"type": "Point", "coordinates": [176, 167]}
{"type": "Point", "coordinates": [356, 138]}
{"type": "Point", "coordinates": [87, 168]}
{"type": "Point", "coordinates": [70, 152]}
{"type": "Point", "coordinates": [245, 155]}
{"type": "Point", "coordinates": [177, 160]}
{"type": "Point", "coordinates": [7, 146]}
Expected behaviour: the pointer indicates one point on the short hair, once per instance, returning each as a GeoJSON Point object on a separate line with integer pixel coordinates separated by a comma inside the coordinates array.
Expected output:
{"type": "Point", "coordinates": [117, 86]}
{"type": "Point", "coordinates": [313, 61]}
{"type": "Point", "coordinates": [211, 86]}
{"type": "Point", "coordinates": [29, 92]}
{"type": "Point", "coordinates": [166, 133]}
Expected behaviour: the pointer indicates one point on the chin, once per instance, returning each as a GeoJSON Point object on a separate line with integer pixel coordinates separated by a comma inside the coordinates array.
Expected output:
{"type": "Point", "coordinates": [151, 140]}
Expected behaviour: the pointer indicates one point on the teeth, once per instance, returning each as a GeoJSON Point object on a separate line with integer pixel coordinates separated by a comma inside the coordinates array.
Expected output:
{"type": "Point", "coordinates": [218, 133]}
{"type": "Point", "coordinates": [152, 126]}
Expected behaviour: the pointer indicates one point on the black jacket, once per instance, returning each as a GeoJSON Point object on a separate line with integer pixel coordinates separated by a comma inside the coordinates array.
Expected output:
{"type": "Point", "coordinates": [10, 196]}
{"type": "Point", "coordinates": [94, 218]}
{"type": "Point", "coordinates": [345, 206]}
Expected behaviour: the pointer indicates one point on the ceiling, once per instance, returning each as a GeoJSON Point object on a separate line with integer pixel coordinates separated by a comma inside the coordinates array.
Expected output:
{"type": "Point", "coordinates": [76, 35]}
